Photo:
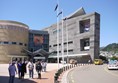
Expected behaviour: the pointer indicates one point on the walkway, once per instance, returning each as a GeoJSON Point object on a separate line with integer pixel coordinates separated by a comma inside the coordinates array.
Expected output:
{"type": "Point", "coordinates": [47, 77]}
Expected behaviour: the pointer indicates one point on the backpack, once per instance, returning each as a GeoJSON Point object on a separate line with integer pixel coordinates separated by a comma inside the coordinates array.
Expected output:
{"type": "Point", "coordinates": [38, 67]}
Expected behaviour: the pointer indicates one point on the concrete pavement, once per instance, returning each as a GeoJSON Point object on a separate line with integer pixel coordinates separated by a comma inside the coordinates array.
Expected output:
{"type": "Point", "coordinates": [46, 76]}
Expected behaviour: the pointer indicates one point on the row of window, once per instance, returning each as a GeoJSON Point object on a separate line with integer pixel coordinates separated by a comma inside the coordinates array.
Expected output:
{"type": "Point", "coordinates": [84, 26]}
{"type": "Point", "coordinates": [71, 50]}
{"type": "Point", "coordinates": [70, 42]}
{"type": "Point", "coordinates": [84, 44]}
{"type": "Point", "coordinates": [11, 27]}
{"type": "Point", "coordinates": [12, 43]}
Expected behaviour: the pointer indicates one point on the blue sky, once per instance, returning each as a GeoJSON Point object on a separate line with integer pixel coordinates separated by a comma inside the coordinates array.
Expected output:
{"type": "Point", "coordinates": [38, 14]}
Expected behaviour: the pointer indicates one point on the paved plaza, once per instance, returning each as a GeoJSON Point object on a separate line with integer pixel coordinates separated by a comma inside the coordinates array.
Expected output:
{"type": "Point", "coordinates": [46, 76]}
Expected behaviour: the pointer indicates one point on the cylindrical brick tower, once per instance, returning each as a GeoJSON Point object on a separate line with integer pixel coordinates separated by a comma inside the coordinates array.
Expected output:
{"type": "Point", "coordinates": [13, 39]}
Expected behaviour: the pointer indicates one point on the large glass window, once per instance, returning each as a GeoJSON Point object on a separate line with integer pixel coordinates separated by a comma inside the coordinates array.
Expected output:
{"type": "Point", "coordinates": [84, 25]}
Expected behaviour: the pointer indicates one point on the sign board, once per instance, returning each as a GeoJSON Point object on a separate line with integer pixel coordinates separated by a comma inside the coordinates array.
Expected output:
{"type": "Point", "coordinates": [39, 57]}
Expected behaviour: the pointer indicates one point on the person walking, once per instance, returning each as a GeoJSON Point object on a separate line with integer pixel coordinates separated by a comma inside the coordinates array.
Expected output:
{"type": "Point", "coordinates": [12, 70]}
{"type": "Point", "coordinates": [44, 64]}
{"type": "Point", "coordinates": [38, 69]}
{"type": "Point", "coordinates": [30, 66]}
{"type": "Point", "coordinates": [23, 69]}
{"type": "Point", "coordinates": [19, 67]}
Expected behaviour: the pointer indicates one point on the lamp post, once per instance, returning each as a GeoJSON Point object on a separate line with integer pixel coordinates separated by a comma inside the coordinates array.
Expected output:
{"type": "Point", "coordinates": [58, 34]}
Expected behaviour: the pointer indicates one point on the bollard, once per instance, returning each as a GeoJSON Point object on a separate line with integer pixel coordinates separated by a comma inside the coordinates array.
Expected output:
{"type": "Point", "coordinates": [66, 67]}
{"type": "Point", "coordinates": [55, 78]}
{"type": "Point", "coordinates": [70, 66]}
{"type": "Point", "coordinates": [63, 68]}
{"type": "Point", "coordinates": [77, 64]}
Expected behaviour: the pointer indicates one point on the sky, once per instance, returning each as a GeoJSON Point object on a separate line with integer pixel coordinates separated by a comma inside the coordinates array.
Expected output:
{"type": "Point", "coordinates": [38, 14]}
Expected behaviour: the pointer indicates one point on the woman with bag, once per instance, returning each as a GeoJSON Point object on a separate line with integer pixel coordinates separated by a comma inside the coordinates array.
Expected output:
{"type": "Point", "coordinates": [30, 66]}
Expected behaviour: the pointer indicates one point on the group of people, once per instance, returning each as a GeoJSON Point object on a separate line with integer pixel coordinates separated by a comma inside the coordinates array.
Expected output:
{"type": "Point", "coordinates": [21, 68]}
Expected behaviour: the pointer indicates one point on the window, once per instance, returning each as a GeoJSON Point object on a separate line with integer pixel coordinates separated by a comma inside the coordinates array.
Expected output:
{"type": "Point", "coordinates": [25, 44]}
{"type": "Point", "coordinates": [55, 45]}
{"type": "Point", "coordinates": [65, 50]}
{"type": "Point", "coordinates": [65, 42]}
{"type": "Point", "coordinates": [50, 46]}
{"type": "Point", "coordinates": [71, 50]}
{"type": "Point", "coordinates": [6, 42]}
{"type": "Point", "coordinates": [59, 51]}
{"type": "Point", "coordinates": [20, 43]}
{"type": "Point", "coordinates": [84, 25]}
{"type": "Point", "coordinates": [85, 44]}
{"type": "Point", "coordinates": [45, 46]}
{"type": "Point", "coordinates": [70, 42]}
{"type": "Point", "coordinates": [13, 42]}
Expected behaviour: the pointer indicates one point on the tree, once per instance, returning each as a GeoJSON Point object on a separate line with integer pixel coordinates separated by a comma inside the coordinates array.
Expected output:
{"type": "Point", "coordinates": [114, 58]}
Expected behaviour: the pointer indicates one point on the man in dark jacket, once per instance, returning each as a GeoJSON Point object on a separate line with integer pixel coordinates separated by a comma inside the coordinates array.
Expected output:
{"type": "Point", "coordinates": [19, 66]}
{"type": "Point", "coordinates": [38, 69]}
{"type": "Point", "coordinates": [23, 69]}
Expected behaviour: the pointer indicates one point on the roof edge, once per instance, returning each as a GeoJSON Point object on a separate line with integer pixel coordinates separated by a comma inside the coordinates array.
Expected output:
{"type": "Point", "coordinates": [78, 12]}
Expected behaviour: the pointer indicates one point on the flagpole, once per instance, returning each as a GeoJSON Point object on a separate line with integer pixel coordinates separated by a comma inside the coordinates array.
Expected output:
{"type": "Point", "coordinates": [58, 34]}
{"type": "Point", "coordinates": [67, 39]}
{"type": "Point", "coordinates": [62, 40]}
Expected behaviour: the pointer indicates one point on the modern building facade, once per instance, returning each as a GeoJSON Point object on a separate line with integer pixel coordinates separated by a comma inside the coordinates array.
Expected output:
{"type": "Point", "coordinates": [13, 39]}
{"type": "Point", "coordinates": [81, 37]}
{"type": "Point", "coordinates": [38, 40]}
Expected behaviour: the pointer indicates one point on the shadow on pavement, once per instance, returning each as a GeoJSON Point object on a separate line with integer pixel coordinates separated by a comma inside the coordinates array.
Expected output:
{"type": "Point", "coordinates": [5, 79]}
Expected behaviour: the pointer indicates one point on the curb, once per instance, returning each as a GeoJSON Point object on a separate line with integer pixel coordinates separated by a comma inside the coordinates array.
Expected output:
{"type": "Point", "coordinates": [64, 77]}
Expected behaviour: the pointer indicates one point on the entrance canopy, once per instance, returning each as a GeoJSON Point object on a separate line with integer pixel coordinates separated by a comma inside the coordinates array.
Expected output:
{"type": "Point", "coordinates": [38, 52]}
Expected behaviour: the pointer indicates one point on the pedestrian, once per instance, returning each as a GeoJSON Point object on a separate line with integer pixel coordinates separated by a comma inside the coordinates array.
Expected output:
{"type": "Point", "coordinates": [12, 70]}
{"type": "Point", "coordinates": [38, 69]}
{"type": "Point", "coordinates": [44, 64]}
{"type": "Point", "coordinates": [30, 66]}
{"type": "Point", "coordinates": [19, 67]}
{"type": "Point", "coordinates": [23, 69]}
